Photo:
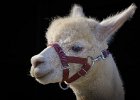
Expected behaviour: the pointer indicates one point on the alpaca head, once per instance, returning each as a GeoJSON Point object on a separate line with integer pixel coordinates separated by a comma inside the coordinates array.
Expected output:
{"type": "Point", "coordinates": [78, 36]}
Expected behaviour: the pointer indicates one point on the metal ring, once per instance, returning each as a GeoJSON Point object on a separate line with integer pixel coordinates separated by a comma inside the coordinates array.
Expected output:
{"type": "Point", "coordinates": [63, 88]}
{"type": "Point", "coordinates": [92, 60]}
{"type": "Point", "coordinates": [65, 67]}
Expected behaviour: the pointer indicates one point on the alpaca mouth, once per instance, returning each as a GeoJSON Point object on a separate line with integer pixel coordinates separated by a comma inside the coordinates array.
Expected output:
{"type": "Point", "coordinates": [42, 75]}
{"type": "Point", "coordinates": [41, 78]}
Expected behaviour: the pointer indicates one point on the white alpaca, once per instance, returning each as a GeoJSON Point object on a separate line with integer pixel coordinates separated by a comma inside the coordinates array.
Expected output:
{"type": "Point", "coordinates": [84, 38]}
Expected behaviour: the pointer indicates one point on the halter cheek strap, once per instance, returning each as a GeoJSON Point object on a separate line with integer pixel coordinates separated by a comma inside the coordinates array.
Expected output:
{"type": "Point", "coordinates": [72, 59]}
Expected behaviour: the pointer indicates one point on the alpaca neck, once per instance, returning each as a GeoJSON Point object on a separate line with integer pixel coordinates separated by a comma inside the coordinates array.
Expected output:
{"type": "Point", "coordinates": [102, 83]}
{"type": "Point", "coordinates": [83, 93]}
{"type": "Point", "coordinates": [87, 91]}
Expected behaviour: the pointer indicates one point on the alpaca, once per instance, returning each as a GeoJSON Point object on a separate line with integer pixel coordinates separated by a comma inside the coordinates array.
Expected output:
{"type": "Point", "coordinates": [77, 55]}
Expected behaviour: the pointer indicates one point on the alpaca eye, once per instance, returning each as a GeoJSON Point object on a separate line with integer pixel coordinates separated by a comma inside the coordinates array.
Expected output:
{"type": "Point", "coordinates": [76, 48]}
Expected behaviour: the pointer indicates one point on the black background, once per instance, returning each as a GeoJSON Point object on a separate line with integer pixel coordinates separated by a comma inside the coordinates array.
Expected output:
{"type": "Point", "coordinates": [25, 24]}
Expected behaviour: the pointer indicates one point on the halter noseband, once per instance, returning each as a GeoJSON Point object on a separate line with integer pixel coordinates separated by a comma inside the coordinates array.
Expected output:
{"type": "Point", "coordinates": [65, 60]}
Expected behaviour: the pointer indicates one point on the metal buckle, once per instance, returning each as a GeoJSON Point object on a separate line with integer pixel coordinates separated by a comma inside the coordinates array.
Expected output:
{"type": "Point", "coordinates": [92, 59]}
{"type": "Point", "coordinates": [65, 67]}
{"type": "Point", "coordinates": [63, 88]}
{"type": "Point", "coordinates": [83, 70]}
{"type": "Point", "coordinates": [102, 55]}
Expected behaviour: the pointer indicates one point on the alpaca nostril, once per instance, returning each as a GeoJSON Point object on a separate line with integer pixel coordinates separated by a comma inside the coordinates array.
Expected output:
{"type": "Point", "coordinates": [37, 60]}
{"type": "Point", "coordinates": [36, 63]}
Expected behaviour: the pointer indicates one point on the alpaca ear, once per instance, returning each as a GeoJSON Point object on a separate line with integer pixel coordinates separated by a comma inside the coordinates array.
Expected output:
{"type": "Point", "coordinates": [109, 26]}
{"type": "Point", "coordinates": [77, 11]}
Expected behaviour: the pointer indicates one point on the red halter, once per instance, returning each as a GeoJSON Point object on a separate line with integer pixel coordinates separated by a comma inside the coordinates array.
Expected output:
{"type": "Point", "coordinates": [71, 59]}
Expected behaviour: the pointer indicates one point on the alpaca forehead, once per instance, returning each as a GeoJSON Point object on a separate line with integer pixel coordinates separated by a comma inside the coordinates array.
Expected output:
{"type": "Point", "coordinates": [77, 28]}
{"type": "Point", "coordinates": [75, 37]}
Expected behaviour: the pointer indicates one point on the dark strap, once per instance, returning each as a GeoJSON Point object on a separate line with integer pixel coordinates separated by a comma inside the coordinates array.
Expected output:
{"type": "Point", "coordinates": [79, 60]}
{"type": "Point", "coordinates": [65, 74]}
